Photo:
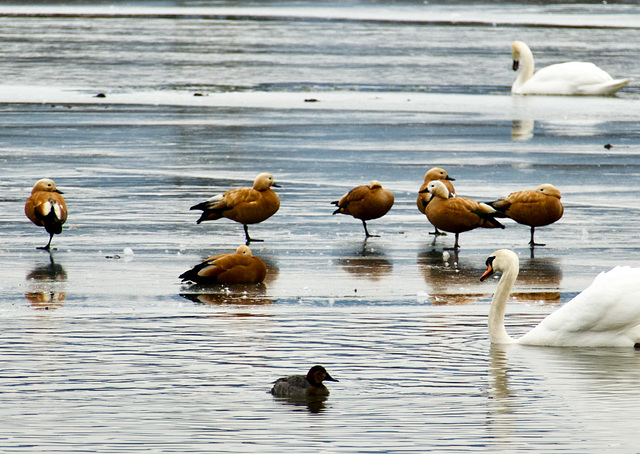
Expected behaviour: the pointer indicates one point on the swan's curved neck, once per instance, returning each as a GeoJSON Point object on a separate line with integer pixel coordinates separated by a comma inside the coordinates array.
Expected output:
{"type": "Point", "coordinates": [527, 65]}
{"type": "Point", "coordinates": [497, 333]}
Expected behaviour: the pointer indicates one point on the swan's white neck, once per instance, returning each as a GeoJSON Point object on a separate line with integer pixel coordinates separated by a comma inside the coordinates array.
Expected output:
{"type": "Point", "coordinates": [497, 333]}
{"type": "Point", "coordinates": [527, 65]}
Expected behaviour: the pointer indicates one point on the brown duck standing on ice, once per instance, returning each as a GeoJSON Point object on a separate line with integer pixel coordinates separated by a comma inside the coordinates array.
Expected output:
{"type": "Point", "coordinates": [243, 205]}
{"type": "Point", "coordinates": [365, 203]}
{"type": "Point", "coordinates": [457, 214]}
{"type": "Point", "coordinates": [424, 197]}
{"type": "Point", "coordinates": [46, 208]}
{"type": "Point", "coordinates": [301, 386]}
{"type": "Point", "coordinates": [534, 208]}
{"type": "Point", "coordinates": [240, 267]}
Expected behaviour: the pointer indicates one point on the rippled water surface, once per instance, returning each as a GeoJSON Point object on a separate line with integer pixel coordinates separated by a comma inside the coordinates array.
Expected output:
{"type": "Point", "coordinates": [103, 350]}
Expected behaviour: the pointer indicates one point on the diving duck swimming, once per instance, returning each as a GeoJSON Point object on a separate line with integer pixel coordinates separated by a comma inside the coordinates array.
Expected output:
{"type": "Point", "coordinates": [301, 386]}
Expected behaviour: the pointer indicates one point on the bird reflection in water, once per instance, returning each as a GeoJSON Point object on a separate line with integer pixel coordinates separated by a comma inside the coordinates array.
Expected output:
{"type": "Point", "coordinates": [45, 285]}
{"type": "Point", "coordinates": [449, 280]}
{"type": "Point", "coordinates": [522, 130]}
{"type": "Point", "coordinates": [453, 280]}
{"type": "Point", "coordinates": [368, 263]}
{"type": "Point", "coordinates": [499, 380]}
{"type": "Point", "coordinates": [315, 404]}
{"type": "Point", "coordinates": [238, 294]}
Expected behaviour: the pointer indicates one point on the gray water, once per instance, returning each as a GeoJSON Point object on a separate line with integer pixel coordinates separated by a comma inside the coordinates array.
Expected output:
{"type": "Point", "coordinates": [103, 350]}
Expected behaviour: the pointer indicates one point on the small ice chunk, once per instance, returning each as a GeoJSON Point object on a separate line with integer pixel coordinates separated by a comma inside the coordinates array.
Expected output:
{"type": "Point", "coordinates": [127, 254]}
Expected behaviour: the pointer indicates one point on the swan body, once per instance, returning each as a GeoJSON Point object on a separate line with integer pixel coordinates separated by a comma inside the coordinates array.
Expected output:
{"type": "Point", "coordinates": [571, 78]}
{"type": "Point", "coordinates": [606, 314]}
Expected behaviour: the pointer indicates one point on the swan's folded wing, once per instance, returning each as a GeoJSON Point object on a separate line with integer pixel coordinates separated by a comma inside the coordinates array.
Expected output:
{"type": "Point", "coordinates": [576, 73]}
{"type": "Point", "coordinates": [601, 315]}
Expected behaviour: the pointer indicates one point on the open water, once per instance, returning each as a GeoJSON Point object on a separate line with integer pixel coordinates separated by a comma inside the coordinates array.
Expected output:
{"type": "Point", "coordinates": [102, 349]}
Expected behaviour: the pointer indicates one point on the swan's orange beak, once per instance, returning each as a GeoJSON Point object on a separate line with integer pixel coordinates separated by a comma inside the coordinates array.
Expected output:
{"type": "Point", "coordinates": [487, 273]}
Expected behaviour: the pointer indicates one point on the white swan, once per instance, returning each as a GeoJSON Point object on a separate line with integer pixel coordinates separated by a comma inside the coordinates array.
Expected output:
{"type": "Point", "coordinates": [606, 314]}
{"type": "Point", "coordinates": [571, 78]}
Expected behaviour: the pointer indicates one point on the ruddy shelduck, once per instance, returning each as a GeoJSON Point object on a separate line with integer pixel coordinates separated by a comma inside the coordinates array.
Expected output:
{"type": "Point", "coordinates": [243, 205]}
{"type": "Point", "coordinates": [457, 214]}
{"type": "Point", "coordinates": [366, 202]}
{"type": "Point", "coordinates": [302, 386]}
{"type": "Point", "coordinates": [535, 208]}
{"type": "Point", "coordinates": [240, 267]}
{"type": "Point", "coordinates": [433, 174]}
{"type": "Point", "coordinates": [46, 208]}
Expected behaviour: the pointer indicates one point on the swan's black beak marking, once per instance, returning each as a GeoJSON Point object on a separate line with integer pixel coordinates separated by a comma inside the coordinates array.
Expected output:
{"type": "Point", "coordinates": [489, 271]}
{"type": "Point", "coordinates": [516, 65]}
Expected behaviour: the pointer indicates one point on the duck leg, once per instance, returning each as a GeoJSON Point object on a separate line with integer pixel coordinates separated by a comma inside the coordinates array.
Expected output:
{"type": "Point", "coordinates": [533, 243]}
{"type": "Point", "coordinates": [48, 246]}
{"type": "Point", "coordinates": [437, 232]}
{"type": "Point", "coordinates": [246, 235]}
{"type": "Point", "coordinates": [366, 232]}
{"type": "Point", "coordinates": [456, 246]}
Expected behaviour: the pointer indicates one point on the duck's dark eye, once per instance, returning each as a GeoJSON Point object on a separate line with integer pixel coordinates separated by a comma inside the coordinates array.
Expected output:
{"type": "Point", "coordinates": [489, 261]}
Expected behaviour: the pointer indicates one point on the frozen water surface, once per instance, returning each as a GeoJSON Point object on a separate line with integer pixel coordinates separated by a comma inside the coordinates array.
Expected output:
{"type": "Point", "coordinates": [103, 349]}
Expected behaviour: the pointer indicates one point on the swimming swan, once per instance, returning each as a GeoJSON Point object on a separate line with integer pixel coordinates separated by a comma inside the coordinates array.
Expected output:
{"type": "Point", "coordinates": [606, 314]}
{"type": "Point", "coordinates": [571, 78]}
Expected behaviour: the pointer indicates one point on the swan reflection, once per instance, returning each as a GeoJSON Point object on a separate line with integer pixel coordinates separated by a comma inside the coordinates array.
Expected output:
{"type": "Point", "coordinates": [522, 130]}
{"type": "Point", "coordinates": [46, 285]}
{"type": "Point", "coordinates": [599, 383]}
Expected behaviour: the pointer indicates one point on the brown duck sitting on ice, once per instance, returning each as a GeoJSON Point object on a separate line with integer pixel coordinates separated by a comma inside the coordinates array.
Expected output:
{"type": "Point", "coordinates": [367, 202]}
{"type": "Point", "coordinates": [301, 386]}
{"type": "Point", "coordinates": [458, 214]}
{"type": "Point", "coordinates": [534, 208]}
{"type": "Point", "coordinates": [240, 267]}
{"type": "Point", "coordinates": [243, 205]}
